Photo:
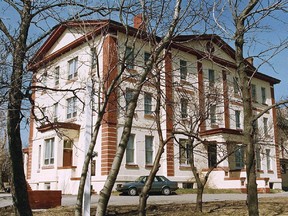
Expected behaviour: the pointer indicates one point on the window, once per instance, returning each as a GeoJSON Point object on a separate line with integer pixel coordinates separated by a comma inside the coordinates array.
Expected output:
{"type": "Point", "coordinates": [263, 95]}
{"type": "Point", "coordinates": [184, 151]}
{"type": "Point", "coordinates": [237, 119]}
{"type": "Point", "coordinates": [235, 85]}
{"type": "Point", "coordinates": [49, 151]}
{"type": "Point", "coordinates": [212, 155]}
{"type": "Point", "coordinates": [239, 157]}
{"type": "Point", "coordinates": [44, 112]}
{"type": "Point", "coordinates": [147, 103]}
{"type": "Point", "coordinates": [130, 150]}
{"type": "Point", "coordinates": [55, 113]}
{"type": "Point", "coordinates": [57, 76]}
{"type": "Point", "coordinates": [183, 70]}
{"type": "Point", "coordinates": [265, 126]}
{"type": "Point", "coordinates": [213, 114]}
{"type": "Point", "coordinates": [71, 108]}
{"type": "Point", "coordinates": [146, 57]}
{"type": "Point", "coordinates": [253, 93]}
{"type": "Point", "coordinates": [72, 73]}
{"type": "Point", "coordinates": [184, 108]}
{"type": "Point", "coordinates": [44, 78]}
{"type": "Point", "coordinates": [128, 96]}
{"type": "Point", "coordinates": [93, 58]}
{"type": "Point", "coordinates": [68, 152]}
{"type": "Point", "coordinates": [149, 149]}
{"type": "Point", "coordinates": [39, 157]}
{"type": "Point", "coordinates": [268, 159]}
{"type": "Point", "coordinates": [211, 77]}
{"type": "Point", "coordinates": [129, 58]}
{"type": "Point", "coordinates": [258, 159]}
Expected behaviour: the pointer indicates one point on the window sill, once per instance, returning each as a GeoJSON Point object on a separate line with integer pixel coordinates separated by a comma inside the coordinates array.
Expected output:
{"type": "Point", "coordinates": [148, 166]}
{"type": "Point", "coordinates": [67, 167]}
{"type": "Point", "coordinates": [214, 126]}
{"type": "Point", "coordinates": [184, 82]}
{"type": "Point", "coordinates": [270, 171]}
{"type": "Point", "coordinates": [132, 70]}
{"type": "Point", "coordinates": [47, 167]}
{"type": "Point", "coordinates": [131, 166]}
{"type": "Point", "coordinates": [73, 119]}
{"type": "Point", "coordinates": [260, 171]}
{"type": "Point", "coordinates": [185, 167]}
{"type": "Point", "coordinates": [149, 116]}
{"type": "Point", "coordinates": [71, 80]}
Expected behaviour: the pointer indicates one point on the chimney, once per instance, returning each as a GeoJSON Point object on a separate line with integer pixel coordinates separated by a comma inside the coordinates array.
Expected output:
{"type": "Point", "coordinates": [138, 22]}
{"type": "Point", "coordinates": [250, 60]}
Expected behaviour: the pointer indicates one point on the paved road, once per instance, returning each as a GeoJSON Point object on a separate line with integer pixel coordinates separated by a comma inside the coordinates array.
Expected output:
{"type": "Point", "coordinates": [69, 200]}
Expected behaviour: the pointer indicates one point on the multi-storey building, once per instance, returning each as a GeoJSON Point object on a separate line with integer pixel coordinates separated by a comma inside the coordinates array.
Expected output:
{"type": "Point", "coordinates": [198, 80]}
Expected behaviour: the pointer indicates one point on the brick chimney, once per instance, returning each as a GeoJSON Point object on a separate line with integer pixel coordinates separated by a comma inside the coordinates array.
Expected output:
{"type": "Point", "coordinates": [138, 22]}
{"type": "Point", "coordinates": [250, 60]}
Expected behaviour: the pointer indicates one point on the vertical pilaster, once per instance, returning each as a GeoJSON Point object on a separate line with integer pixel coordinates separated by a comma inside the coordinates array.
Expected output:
{"type": "Point", "coordinates": [109, 124]}
{"type": "Point", "coordinates": [169, 113]}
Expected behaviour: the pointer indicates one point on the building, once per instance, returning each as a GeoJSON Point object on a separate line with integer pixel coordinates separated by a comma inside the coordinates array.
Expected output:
{"type": "Point", "coordinates": [80, 53]}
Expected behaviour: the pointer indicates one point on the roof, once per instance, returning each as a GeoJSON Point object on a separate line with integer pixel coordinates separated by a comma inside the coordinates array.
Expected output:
{"type": "Point", "coordinates": [98, 26]}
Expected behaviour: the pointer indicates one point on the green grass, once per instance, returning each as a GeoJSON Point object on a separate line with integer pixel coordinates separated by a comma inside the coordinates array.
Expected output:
{"type": "Point", "coordinates": [206, 191]}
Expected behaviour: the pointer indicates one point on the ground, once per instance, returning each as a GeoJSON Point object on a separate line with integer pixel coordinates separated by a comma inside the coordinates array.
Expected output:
{"type": "Point", "coordinates": [268, 207]}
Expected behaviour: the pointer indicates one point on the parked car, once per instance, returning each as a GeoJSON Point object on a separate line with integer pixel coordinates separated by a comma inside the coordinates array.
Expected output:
{"type": "Point", "coordinates": [160, 185]}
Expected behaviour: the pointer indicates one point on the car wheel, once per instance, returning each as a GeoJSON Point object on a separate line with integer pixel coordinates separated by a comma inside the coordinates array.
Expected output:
{"type": "Point", "coordinates": [132, 192]}
{"type": "Point", "coordinates": [166, 191]}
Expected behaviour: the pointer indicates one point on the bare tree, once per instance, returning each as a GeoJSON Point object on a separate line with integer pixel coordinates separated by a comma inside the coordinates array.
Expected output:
{"type": "Point", "coordinates": [246, 18]}
{"type": "Point", "coordinates": [20, 41]}
{"type": "Point", "coordinates": [157, 49]}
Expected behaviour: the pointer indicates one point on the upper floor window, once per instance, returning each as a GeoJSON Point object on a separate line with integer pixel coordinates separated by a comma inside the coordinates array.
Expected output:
{"type": "Point", "coordinates": [265, 126]}
{"type": "Point", "coordinates": [268, 159]}
{"type": "Point", "coordinates": [263, 95]}
{"type": "Point", "coordinates": [73, 64]}
{"type": "Point", "coordinates": [183, 70]}
{"type": "Point", "coordinates": [149, 149]}
{"type": "Point", "coordinates": [130, 150]}
{"type": "Point", "coordinates": [184, 107]}
{"type": "Point", "coordinates": [71, 107]}
{"type": "Point", "coordinates": [211, 77]}
{"type": "Point", "coordinates": [146, 57]}
{"type": "Point", "coordinates": [184, 151]}
{"type": "Point", "coordinates": [237, 119]}
{"type": "Point", "coordinates": [93, 58]}
{"type": "Point", "coordinates": [128, 96]}
{"type": "Point", "coordinates": [44, 78]}
{"type": "Point", "coordinates": [253, 92]}
{"type": "Point", "coordinates": [213, 114]}
{"type": "Point", "coordinates": [49, 151]}
{"type": "Point", "coordinates": [147, 103]}
{"type": "Point", "coordinates": [55, 113]}
{"type": "Point", "coordinates": [258, 159]}
{"type": "Point", "coordinates": [129, 58]}
{"type": "Point", "coordinates": [235, 85]}
{"type": "Point", "coordinates": [57, 76]}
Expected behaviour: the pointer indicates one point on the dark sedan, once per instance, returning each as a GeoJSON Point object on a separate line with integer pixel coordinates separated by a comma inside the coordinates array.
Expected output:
{"type": "Point", "coordinates": [160, 185]}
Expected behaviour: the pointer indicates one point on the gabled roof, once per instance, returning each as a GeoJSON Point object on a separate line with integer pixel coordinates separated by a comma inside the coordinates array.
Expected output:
{"type": "Point", "coordinates": [105, 26]}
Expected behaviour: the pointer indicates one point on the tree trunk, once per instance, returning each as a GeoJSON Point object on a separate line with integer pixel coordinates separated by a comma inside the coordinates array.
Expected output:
{"type": "Point", "coordinates": [19, 185]}
{"type": "Point", "coordinates": [252, 196]}
{"type": "Point", "coordinates": [199, 198]}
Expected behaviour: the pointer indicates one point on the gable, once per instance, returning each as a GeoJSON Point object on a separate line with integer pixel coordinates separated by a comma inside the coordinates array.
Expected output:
{"type": "Point", "coordinates": [68, 36]}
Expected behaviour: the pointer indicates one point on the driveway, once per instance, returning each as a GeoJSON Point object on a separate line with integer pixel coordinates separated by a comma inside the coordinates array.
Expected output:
{"type": "Point", "coordinates": [70, 200]}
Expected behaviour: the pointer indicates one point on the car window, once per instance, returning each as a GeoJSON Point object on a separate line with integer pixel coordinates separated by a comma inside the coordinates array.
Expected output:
{"type": "Point", "coordinates": [161, 178]}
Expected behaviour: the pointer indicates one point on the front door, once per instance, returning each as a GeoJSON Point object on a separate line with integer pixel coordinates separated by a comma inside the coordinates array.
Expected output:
{"type": "Point", "coordinates": [67, 153]}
